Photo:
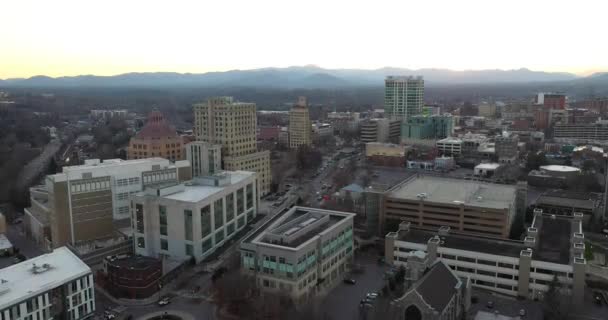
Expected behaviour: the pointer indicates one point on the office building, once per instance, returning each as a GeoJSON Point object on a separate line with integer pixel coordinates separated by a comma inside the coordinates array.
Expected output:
{"type": "Point", "coordinates": [468, 206]}
{"type": "Point", "coordinates": [506, 147]}
{"type": "Point", "coordinates": [233, 125]}
{"type": "Point", "coordinates": [380, 130]}
{"type": "Point", "coordinates": [156, 139]}
{"type": "Point", "coordinates": [205, 158]}
{"type": "Point", "coordinates": [81, 203]}
{"type": "Point", "coordinates": [417, 128]}
{"type": "Point", "coordinates": [552, 247]}
{"type": "Point", "coordinates": [551, 100]}
{"type": "Point", "coordinates": [193, 219]}
{"type": "Point", "coordinates": [56, 285]}
{"type": "Point", "coordinates": [403, 97]}
{"type": "Point", "coordinates": [321, 131]}
{"type": "Point", "coordinates": [300, 252]}
{"type": "Point", "coordinates": [450, 146]}
{"type": "Point", "coordinates": [299, 125]}
{"type": "Point", "coordinates": [582, 133]}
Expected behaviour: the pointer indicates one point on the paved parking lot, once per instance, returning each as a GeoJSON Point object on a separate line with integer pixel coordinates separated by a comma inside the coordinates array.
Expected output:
{"type": "Point", "coordinates": [342, 303]}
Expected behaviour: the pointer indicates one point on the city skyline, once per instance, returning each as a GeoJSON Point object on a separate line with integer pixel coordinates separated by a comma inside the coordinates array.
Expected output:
{"type": "Point", "coordinates": [68, 38]}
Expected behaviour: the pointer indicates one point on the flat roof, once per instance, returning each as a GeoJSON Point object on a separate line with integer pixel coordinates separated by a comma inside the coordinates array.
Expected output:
{"type": "Point", "coordinates": [455, 191]}
{"type": "Point", "coordinates": [20, 283]}
{"type": "Point", "coordinates": [196, 193]}
{"type": "Point", "coordinates": [554, 239]}
{"type": "Point", "coordinates": [560, 168]}
{"type": "Point", "coordinates": [283, 219]}
{"type": "Point", "coordinates": [562, 198]}
{"type": "Point", "coordinates": [487, 166]}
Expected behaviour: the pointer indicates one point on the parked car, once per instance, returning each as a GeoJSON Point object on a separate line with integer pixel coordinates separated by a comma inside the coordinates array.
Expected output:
{"type": "Point", "coordinates": [164, 301]}
{"type": "Point", "coordinates": [371, 295]}
{"type": "Point", "coordinates": [350, 281]}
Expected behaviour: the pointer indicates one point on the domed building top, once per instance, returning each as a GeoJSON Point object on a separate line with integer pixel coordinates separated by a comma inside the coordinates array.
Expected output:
{"type": "Point", "coordinates": [156, 127]}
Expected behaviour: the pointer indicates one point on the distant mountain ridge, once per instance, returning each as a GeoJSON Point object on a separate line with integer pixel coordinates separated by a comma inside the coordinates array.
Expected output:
{"type": "Point", "coordinates": [309, 77]}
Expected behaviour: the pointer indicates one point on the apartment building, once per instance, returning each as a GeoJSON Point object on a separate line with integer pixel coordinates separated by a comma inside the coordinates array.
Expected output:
{"type": "Point", "coordinates": [193, 219]}
{"type": "Point", "coordinates": [299, 125]}
{"type": "Point", "coordinates": [553, 247]}
{"type": "Point", "coordinates": [468, 206]}
{"type": "Point", "coordinates": [233, 125]}
{"type": "Point", "coordinates": [205, 158]}
{"type": "Point", "coordinates": [300, 252]}
{"type": "Point", "coordinates": [403, 96]}
{"type": "Point", "coordinates": [81, 203]}
{"type": "Point", "coordinates": [56, 285]}
{"type": "Point", "coordinates": [156, 139]}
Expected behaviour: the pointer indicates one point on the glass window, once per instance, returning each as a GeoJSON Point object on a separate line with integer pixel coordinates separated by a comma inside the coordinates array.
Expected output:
{"type": "Point", "coordinates": [205, 221]}
{"type": "Point", "coordinates": [230, 228]}
{"type": "Point", "coordinates": [240, 201]}
{"type": "Point", "coordinates": [219, 236]}
{"type": "Point", "coordinates": [164, 244]}
{"type": "Point", "coordinates": [162, 215]}
{"type": "Point", "coordinates": [141, 243]}
{"type": "Point", "coordinates": [250, 196]}
{"type": "Point", "coordinates": [207, 244]}
{"type": "Point", "coordinates": [139, 217]}
{"type": "Point", "coordinates": [218, 213]}
{"type": "Point", "coordinates": [188, 224]}
{"type": "Point", "coordinates": [230, 207]}
{"type": "Point", "coordinates": [189, 250]}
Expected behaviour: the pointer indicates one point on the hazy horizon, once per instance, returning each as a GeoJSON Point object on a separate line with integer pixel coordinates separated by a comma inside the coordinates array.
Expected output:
{"type": "Point", "coordinates": [69, 38]}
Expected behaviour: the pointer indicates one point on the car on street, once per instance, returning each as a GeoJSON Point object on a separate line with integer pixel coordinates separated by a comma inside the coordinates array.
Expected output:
{"type": "Point", "coordinates": [349, 281]}
{"type": "Point", "coordinates": [371, 295]}
{"type": "Point", "coordinates": [164, 301]}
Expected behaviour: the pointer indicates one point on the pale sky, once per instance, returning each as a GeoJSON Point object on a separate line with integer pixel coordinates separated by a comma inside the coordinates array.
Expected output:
{"type": "Point", "coordinates": [62, 38]}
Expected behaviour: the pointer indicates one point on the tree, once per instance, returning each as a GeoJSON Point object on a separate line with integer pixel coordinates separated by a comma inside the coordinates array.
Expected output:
{"type": "Point", "coordinates": [307, 158]}
{"type": "Point", "coordinates": [535, 160]}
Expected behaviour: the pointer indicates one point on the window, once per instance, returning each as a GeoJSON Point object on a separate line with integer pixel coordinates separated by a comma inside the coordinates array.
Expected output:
{"type": "Point", "coordinates": [218, 213]}
{"type": "Point", "coordinates": [241, 222]}
{"type": "Point", "coordinates": [240, 204]}
{"type": "Point", "coordinates": [162, 217]}
{"type": "Point", "coordinates": [188, 224]}
{"type": "Point", "coordinates": [207, 244]}
{"type": "Point", "coordinates": [230, 228]}
{"type": "Point", "coordinates": [205, 221]}
{"type": "Point", "coordinates": [189, 250]}
{"type": "Point", "coordinates": [122, 196]}
{"type": "Point", "coordinates": [219, 236]}
{"type": "Point", "coordinates": [141, 243]}
{"type": "Point", "coordinates": [230, 207]}
{"type": "Point", "coordinates": [139, 217]}
{"type": "Point", "coordinates": [250, 196]}
{"type": "Point", "coordinates": [164, 244]}
{"type": "Point", "coordinates": [123, 210]}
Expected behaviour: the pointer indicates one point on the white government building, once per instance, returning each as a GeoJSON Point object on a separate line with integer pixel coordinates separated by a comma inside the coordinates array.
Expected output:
{"type": "Point", "coordinates": [194, 218]}
{"type": "Point", "coordinates": [56, 285]}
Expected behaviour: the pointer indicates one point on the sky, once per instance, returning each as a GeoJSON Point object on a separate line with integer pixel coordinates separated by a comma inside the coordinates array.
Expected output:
{"type": "Point", "coordinates": [65, 38]}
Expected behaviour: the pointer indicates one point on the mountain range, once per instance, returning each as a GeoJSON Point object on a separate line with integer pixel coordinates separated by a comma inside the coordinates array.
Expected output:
{"type": "Point", "coordinates": [307, 77]}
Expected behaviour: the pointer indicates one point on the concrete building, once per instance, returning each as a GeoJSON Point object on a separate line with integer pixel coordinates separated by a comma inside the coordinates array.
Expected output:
{"type": "Point", "coordinates": [485, 170]}
{"type": "Point", "coordinates": [433, 291]}
{"type": "Point", "coordinates": [344, 121]}
{"type": "Point", "coordinates": [81, 203]}
{"type": "Point", "coordinates": [300, 252]}
{"type": "Point", "coordinates": [506, 147]}
{"type": "Point", "coordinates": [156, 139]}
{"type": "Point", "coordinates": [299, 125]}
{"type": "Point", "coordinates": [427, 127]}
{"type": "Point", "coordinates": [386, 154]}
{"type": "Point", "coordinates": [551, 100]}
{"type": "Point", "coordinates": [321, 131]}
{"type": "Point", "coordinates": [233, 125]}
{"type": "Point", "coordinates": [205, 158]}
{"type": "Point", "coordinates": [403, 97]}
{"type": "Point", "coordinates": [553, 247]}
{"type": "Point", "coordinates": [36, 217]}
{"type": "Point", "coordinates": [55, 285]}
{"type": "Point", "coordinates": [380, 130]}
{"type": "Point", "coordinates": [469, 206]}
{"type": "Point", "coordinates": [193, 219]}
{"type": "Point", "coordinates": [596, 133]}
{"type": "Point", "coordinates": [487, 110]}
{"type": "Point", "coordinates": [131, 277]}
{"type": "Point", "coordinates": [564, 203]}
{"type": "Point", "coordinates": [556, 176]}
{"type": "Point", "coordinates": [450, 146]}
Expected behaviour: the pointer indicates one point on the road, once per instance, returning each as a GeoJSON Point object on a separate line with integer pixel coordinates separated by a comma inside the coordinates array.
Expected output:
{"type": "Point", "coordinates": [33, 169]}
{"type": "Point", "coordinates": [14, 233]}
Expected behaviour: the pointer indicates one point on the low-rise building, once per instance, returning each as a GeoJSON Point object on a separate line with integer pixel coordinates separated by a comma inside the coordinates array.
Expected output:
{"type": "Point", "coordinates": [553, 247]}
{"type": "Point", "coordinates": [131, 277]}
{"type": "Point", "coordinates": [193, 219]}
{"type": "Point", "coordinates": [450, 146]}
{"type": "Point", "coordinates": [564, 203]}
{"type": "Point", "coordinates": [321, 130]}
{"type": "Point", "coordinates": [300, 252]}
{"type": "Point", "coordinates": [156, 139]}
{"type": "Point", "coordinates": [55, 285]}
{"type": "Point", "coordinates": [468, 206]}
{"type": "Point", "coordinates": [485, 170]}
{"type": "Point", "coordinates": [386, 154]}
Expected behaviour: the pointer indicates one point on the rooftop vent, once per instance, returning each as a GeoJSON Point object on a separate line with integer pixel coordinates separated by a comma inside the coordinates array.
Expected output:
{"type": "Point", "coordinates": [421, 195]}
{"type": "Point", "coordinates": [3, 286]}
{"type": "Point", "coordinates": [37, 269]}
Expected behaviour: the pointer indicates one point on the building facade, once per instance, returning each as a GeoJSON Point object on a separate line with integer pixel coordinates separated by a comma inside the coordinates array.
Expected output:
{"type": "Point", "coordinates": [180, 221]}
{"type": "Point", "coordinates": [553, 247]}
{"type": "Point", "coordinates": [299, 125]}
{"type": "Point", "coordinates": [506, 147]}
{"type": "Point", "coordinates": [582, 133]}
{"type": "Point", "coordinates": [427, 127]}
{"type": "Point", "coordinates": [380, 130]}
{"type": "Point", "coordinates": [83, 201]}
{"type": "Point", "coordinates": [403, 96]}
{"type": "Point", "coordinates": [205, 158]}
{"type": "Point", "coordinates": [386, 154]}
{"type": "Point", "coordinates": [300, 252]}
{"type": "Point", "coordinates": [56, 285]}
{"type": "Point", "coordinates": [468, 206]}
{"type": "Point", "coordinates": [132, 277]}
{"type": "Point", "coordinates": [233, 125]}
{"type": "Point", "coordinates": [156, 139]}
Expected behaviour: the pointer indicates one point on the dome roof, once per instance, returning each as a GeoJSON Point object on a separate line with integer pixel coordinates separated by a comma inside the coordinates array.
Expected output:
{"type": "Point", "coordinates": [156, 127]}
